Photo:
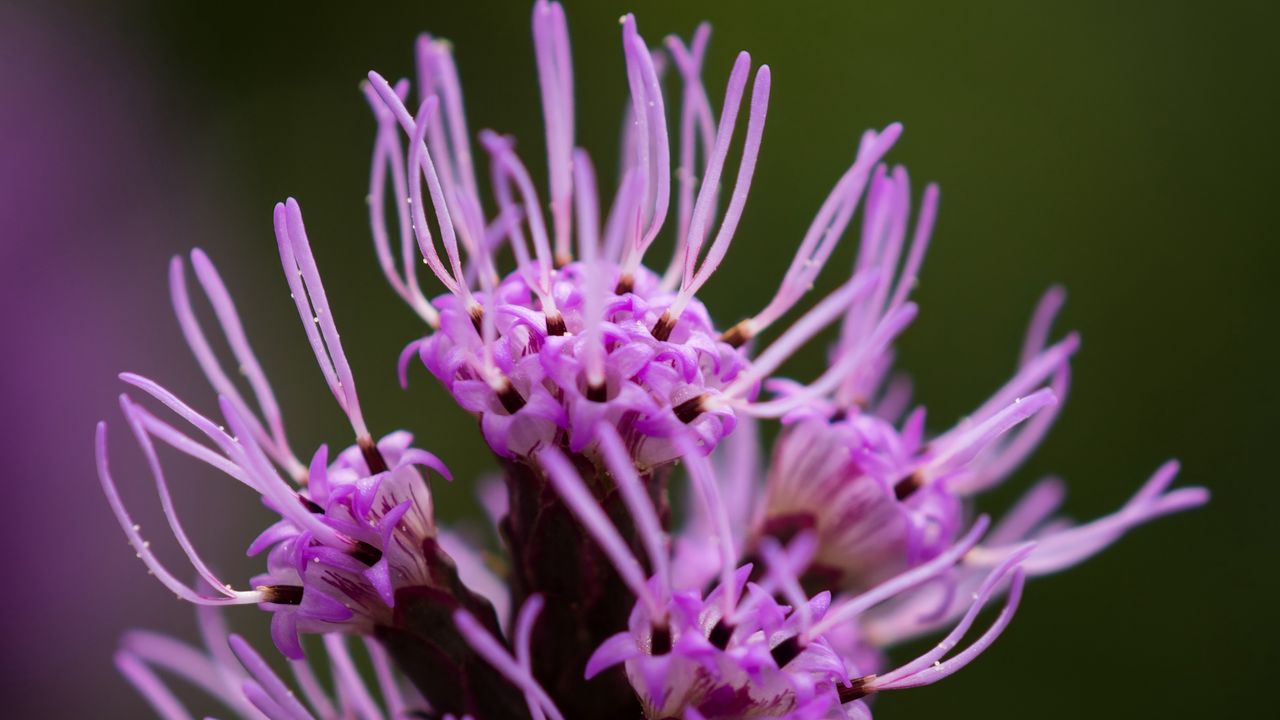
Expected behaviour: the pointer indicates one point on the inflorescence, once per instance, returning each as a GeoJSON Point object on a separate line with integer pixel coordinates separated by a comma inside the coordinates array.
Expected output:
{"type": "Point", "coordinates": [592, 375]}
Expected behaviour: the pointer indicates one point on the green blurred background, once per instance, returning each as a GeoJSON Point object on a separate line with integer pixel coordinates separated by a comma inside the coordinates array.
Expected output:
{"type": "Point", "coordinates": [1123, 149]}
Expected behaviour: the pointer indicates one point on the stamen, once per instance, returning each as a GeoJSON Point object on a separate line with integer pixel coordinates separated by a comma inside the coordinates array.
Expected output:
{"type": "Point", "coordinates": [626, 283]}
{"type": "Point", "coordinates": [372, 455]}
{"type": "Point", "coordinates": [694, 280]}
{"type": "Point", "coordinates": [421, 163]}
{"type": "Point", "coordinates": [786, 651]}
{"type": "Point", "coordinates": [852, 608]}
{"type": "Point", "coordinates": [827, 228]}
{"type": "Point", "coordinates": [907, 486]}
{"type": "Point", "coordinates": [689, 410]}
{"type": "Point", "coordinates": [720, 634]}
{"type": "Point", "coordinates": [593, 299]}
{"type": "Point", "coordinates": [695, 109]}
{"type": "Point", "coordinates": [310, 505]}
{"type": "Point", "coordinates": [510, 397]}
{"type": "Point", "coordinates": [660, 640]}
{"type": "Point", "coordinates": [438, 75]}
{"type": "Point", "coordinates": [739, 334]}
{"type": "Point", "coordinates": [313, 309]}
{"type": "Point", "coordinates": [281, 594]}
{"type": "Point", "coordinates": [856, 690]}
{"type": "Point", "coordinates": [800, 332]}
{"type": "Point", "coordinates": [555, 78]}
{"type": "Point", "coordinates": [246, 452]}
{"type": "Point", "coordinates": [143, 548]}
{"type": "Point", "coordinates": [508, 170]}
{"type": "Point", "coordinates": [653, 154]}
{"type": "Point", "coordinates": [929, 668]}
{"type": "Point", "coordinates": [663, 327]}
{"type": "Point", "coordinates": [388, 160]}
{"type": "Point", "coordinates": [555, 323]}
{"type": "Point", "coordinates": [275, 442]}
{"type": "Point", "coordinates": [366, 553]}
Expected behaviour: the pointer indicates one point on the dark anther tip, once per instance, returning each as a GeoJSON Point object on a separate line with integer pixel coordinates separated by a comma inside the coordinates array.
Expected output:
{"type": "Point", "coordinates": [662, 329]}
{"type": "Point", "coordinates": [366, 553]}
{"type": "Point", "coordinates": [688, 410]}
{"type": "Point", "coordinates": [736, 336]}
{"type": "Point", "coordinates": [907, 486]}
{"type": "Point", "coordinates": [476, 312]}
{"type": "Point", "coordinates": [720, 635]}
{"type": "Point", "coordinates": [281, 594]}
{"type": "Point", "coordinates": [660, 643]}
{"type": "Point", "coordinates": [555, 323]}
{"type": "Point", "coordinates": [311, 505]}
{"type": "Point", "coordinates": [786, 651]}
{"type": "Point", "coordinates": [510, 398]}
{"type": "Point", "coordinates": [626, 284]}
{"type": "Point", "coordinates": [856, 690]}
{"type": "Point", "coordinates": [372, 455]}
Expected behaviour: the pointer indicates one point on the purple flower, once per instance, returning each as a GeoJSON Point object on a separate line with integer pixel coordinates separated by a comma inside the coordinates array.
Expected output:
{"type": "Point", "coordinates": [799, 566]}
{"type": "Point", "coordinates": [548, 352]}
{"type": "Point", "coordinates": [350, 532]}
{"type": "Point", "coordinates": [740, 652]}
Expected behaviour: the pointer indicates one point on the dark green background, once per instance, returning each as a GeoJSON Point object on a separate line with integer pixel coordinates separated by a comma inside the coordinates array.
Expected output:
{"type": "Point", "coordinates": [1124, 149]}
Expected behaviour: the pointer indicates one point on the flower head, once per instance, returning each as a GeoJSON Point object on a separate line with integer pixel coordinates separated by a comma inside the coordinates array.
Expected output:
{"type": "Point", "coordinates": [559, 345]}
{"type": "Point", "coordinates": [350, 532]}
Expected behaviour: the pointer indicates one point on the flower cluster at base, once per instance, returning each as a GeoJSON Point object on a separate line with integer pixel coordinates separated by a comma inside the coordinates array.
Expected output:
{"type": "Point", "coordinates": [592, 376]}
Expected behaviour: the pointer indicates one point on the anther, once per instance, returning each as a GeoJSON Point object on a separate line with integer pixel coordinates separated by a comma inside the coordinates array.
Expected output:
{"type": "Point", "coordinates": [366, 553]}
{"type": "Point", "coordinates": [372, 455]}
{"type": "Point", "coordinates": [510, 397]}
{"type": "Point", "coordinates": [907, 486]}
{"type": "Point", "coordinates": [311, 505]}
{"type": "Point", "coordinates": [739, 334]}
{"type": "Point", "coordinates": [662, 329]}
{"type": "Point", "coordinates": [626, 284]}
{"type": "Point", "coordinates": [555, 323]}
{"type": "Point", "coordinates": [687, 411]}
{"type": "Point", "coordinates": [660, 641]}
{"type": "Point", "coordinates": [856, 690]}
{"type": "Point", "coordinates": [786, 651]}
{"type": "Point", "coordinates": [281, 594]}
{"type": "Point", "coordinates": [720, 635]}
{"type": "Point", "coordinates": [476, 312]}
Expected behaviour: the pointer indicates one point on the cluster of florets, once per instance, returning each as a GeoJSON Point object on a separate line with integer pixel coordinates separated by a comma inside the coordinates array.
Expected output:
{"type": "Point", "coordinates": [650, 388]}
{"type": "Point", "coordinates": [592, 376]}
{"type": "Point", "coordinates": [350, 532]}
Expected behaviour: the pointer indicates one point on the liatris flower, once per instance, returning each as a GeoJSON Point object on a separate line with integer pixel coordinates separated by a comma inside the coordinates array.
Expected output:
{"type": "Point", "coordinates": [357, 547]}
{"type": "Point", "coordinates": [591, 377]}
